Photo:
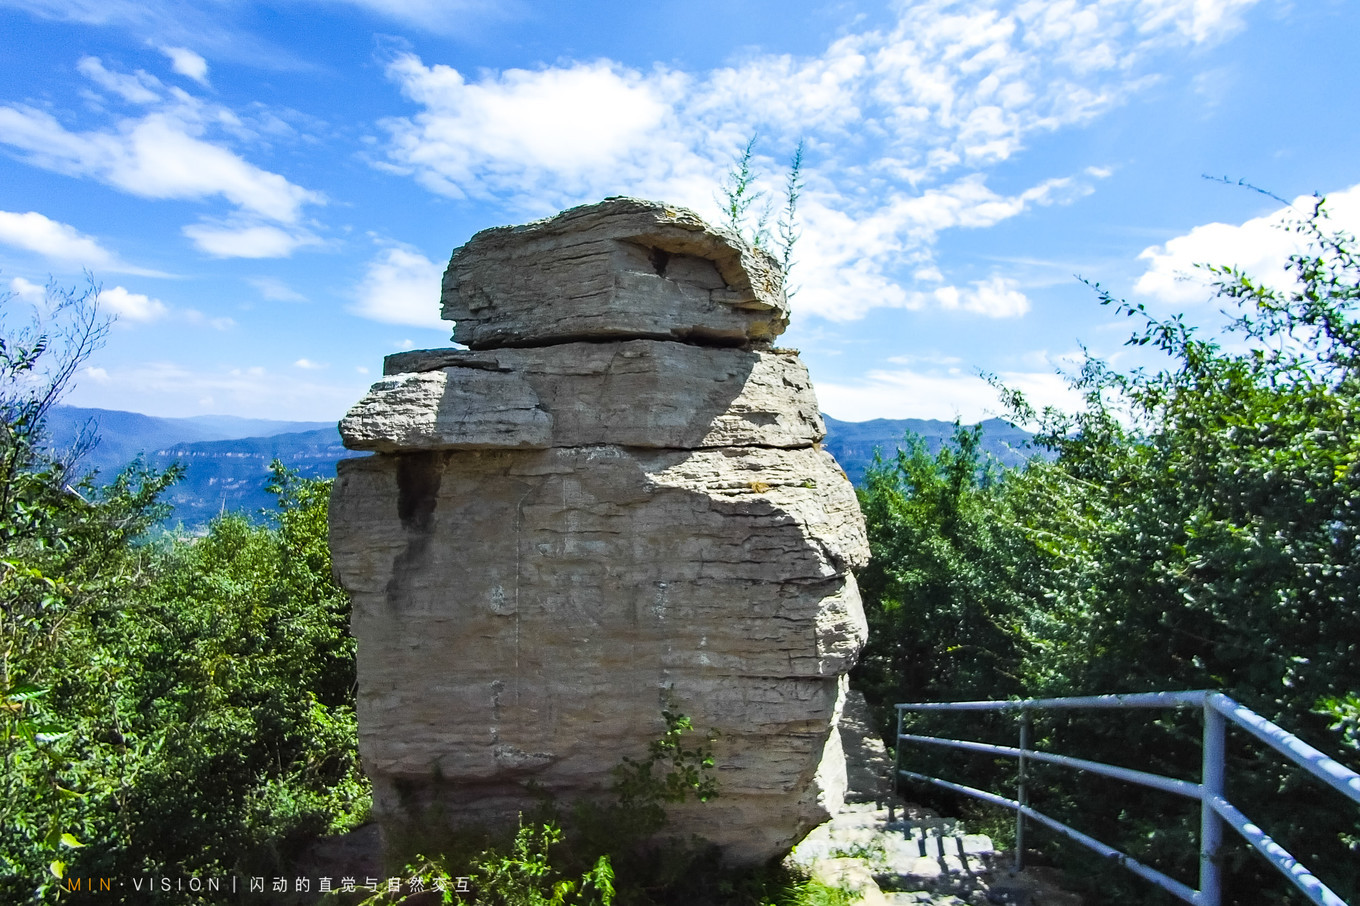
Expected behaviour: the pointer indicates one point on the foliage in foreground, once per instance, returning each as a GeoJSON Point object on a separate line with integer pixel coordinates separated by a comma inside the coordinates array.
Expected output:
{"type": "Point", "coordinates": [205, 712]}
{"type": "Point", "coordinates": [1199, 528]}
{"type": "Point", "coordinates": [537, 868]}
{"type": "Point", "coordinates": [176, 708]}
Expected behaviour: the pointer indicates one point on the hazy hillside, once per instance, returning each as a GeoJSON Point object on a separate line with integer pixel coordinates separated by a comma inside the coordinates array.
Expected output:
{"type": "Point", "coordinates": [853, 443]}
{"type": "Point", "coordinates": [122, 435]}
{"type": "Point", "coordinates": [227, 459]}
{"type": "Point", "coordinates": [222, 475]}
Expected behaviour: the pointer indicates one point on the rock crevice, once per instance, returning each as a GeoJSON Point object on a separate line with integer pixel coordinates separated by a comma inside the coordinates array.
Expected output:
{"type": "Point", "coordinates": [587, 516]}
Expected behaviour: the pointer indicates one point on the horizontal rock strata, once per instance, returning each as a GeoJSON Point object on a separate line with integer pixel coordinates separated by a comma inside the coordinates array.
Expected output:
{"type": "Point", "coordinates": [640, 393]}
{"type": "Point", "coordinates": [556, 541]}
{"type": "Point", "coordinates": [619, 270]}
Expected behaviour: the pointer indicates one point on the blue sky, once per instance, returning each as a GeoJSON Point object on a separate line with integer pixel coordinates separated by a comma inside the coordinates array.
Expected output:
{"type": "Point", "coordinates": [268, 193]}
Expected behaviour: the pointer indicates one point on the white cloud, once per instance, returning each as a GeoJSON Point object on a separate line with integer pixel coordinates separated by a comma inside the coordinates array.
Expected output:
{"type": "Point", "coordinates": [61, 242]}
{"type": "Point", "coordinates": [849, 263]}
{"type": "Point", "coordinates": [169, 388]}
{"type": "Point", "coordinates": [438, 16]}
{"type": "Point", "coordinates": [818, 92]}
{"type": "Point", "coordinates": [1260, 247]}
{"type": "Point", "coordinates": [308, 365]}
{"type": "Point", "coordinates": [30, 292]}
{"type": "Point", "coordinates": [198, 319]}
{"type": "Point", "coordinates": [131, 306]}
{"type": "Point", "coordinates": [402, 286]}
{"type": "Point", "coordinates": [47, 237]}
{"type": "Point", "coordinates": [942, 393]}
{"type": "Point", "coordinates": [187, 63]}
{"type": "Point", "coordinates": [1198, 20]}
{"type": "Point", "coordinates": [249, 241]}
{"type": "Point", "coordinates": [139, 88]}
{"type": "Point", "coordinates": [275, 290]}
{"type": "Point", "coordinates": [162, 155]}
{"type": "Point", "coordinates": [128, 307]}
{"type": "Point", "coordinates": [214, 27]}
{"type": "Point", "coordinates": [904, 127]}
{"type": "Point", "coordinates": [929, 358]}
{"type": "Point", "coordinates": [574, 124]}
{"type": "Point", "coordinates": [996, 297]}
{"type": "Point", "coordinates": [969, 203]}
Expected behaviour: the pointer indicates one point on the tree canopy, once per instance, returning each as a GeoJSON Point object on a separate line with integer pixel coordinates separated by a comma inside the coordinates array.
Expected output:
{"type": "Point", "coordinates": [176, 706]}
{"type": "Point", "coordinates": [1198, 527]}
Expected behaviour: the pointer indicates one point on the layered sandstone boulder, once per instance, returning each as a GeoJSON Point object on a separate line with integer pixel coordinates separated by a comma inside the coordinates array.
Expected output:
{"type": "Point", "coordinates": [618, 270]}
{"type": "Point", "coordinates": [614, 502]}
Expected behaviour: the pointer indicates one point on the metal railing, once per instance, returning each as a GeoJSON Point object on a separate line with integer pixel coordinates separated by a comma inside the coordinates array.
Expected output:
{"type": "Point", "coordinates": [1214, 808]}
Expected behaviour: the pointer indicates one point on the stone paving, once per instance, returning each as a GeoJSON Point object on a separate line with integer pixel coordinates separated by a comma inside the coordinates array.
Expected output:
{"type": "Point", "coordinates": [914, 856]}
{"type": "Point", "coordinates": [907, 854]}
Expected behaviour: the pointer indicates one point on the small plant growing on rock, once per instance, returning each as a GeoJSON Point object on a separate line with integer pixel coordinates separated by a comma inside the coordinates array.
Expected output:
{"type": "Point", "coordinates": [747, 212]}
{"type": "Point", "coordinates": [685, 772]}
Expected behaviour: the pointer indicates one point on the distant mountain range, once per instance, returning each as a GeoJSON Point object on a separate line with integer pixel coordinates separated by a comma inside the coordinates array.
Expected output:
{"type": "Point", "coordinates": [227, 459]}
{"type": "Point", "coordinates": [854, 443]}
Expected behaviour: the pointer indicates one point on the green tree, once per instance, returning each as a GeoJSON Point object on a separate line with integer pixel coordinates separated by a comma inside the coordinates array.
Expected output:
{"type": "Point", "coordinates": [185, 706]}
{"type": "Point", "coordinates": [1226, 486]}
{"type": "Point", "coordinates": [235, 701]}
{"type": "Point", "coordinates": [1197, 527]}
{"type": "Point", "coordinates": [951, 575]}
{"type": "Point", "coordinates": [38, 359]}
{"type": "Point", "coordinates": [1226, 543]}
{"type": "Point", "coordinates": [747, 210]}
{"type": "Point", "coordinates": [952, 594]}
{"type": "Point", "coordinates": [65, 559]}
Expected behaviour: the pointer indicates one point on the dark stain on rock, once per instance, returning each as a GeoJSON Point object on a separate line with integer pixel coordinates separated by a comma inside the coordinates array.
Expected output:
{"type": "Point", "coordinates": [660, 259]}
{"type": "Point", "coordinates": [418, 479]}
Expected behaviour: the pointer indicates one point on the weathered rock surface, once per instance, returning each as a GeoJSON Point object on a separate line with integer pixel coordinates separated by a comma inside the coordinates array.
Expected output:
{"type": "Point", "coordinates": [640, 393]}
{"type": "Point", "coordinates": [556, 541]}
{"type": "Point", "coordinates": [620, 269]}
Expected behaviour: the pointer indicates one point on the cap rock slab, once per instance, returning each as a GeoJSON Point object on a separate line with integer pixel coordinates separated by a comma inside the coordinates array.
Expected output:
{"type": "Point", "coordinates": [614, 502]}
{"type": "Point", "coordinates": [621, 269]}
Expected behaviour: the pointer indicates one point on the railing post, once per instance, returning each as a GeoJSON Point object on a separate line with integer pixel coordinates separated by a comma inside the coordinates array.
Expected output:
{"type": "Point", "coordinates": [897, 770]}
{"type": "Point", "coordinates": [1210, 825]}
{"type": "Point", "coordinates": [1020, 794]}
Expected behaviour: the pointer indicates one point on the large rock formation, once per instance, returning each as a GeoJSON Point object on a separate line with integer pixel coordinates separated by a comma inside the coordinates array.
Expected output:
{"type": "Point", "coordinates": [616, 501]}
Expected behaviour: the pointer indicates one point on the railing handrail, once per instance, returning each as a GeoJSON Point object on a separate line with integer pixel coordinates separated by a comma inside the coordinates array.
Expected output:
{"type": "Point", "coordinates": [1328, 770]}
{"type": "Point", "coordinates": [1215, 808]}
{"type": "Point", "coordinates": [1190, 698]}
{"type": "Point", "coordinates": [1155, 781]}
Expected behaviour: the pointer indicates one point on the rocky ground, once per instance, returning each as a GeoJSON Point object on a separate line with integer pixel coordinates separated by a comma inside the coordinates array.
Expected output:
{"type": "Point", "coordinates": [906, 853]}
